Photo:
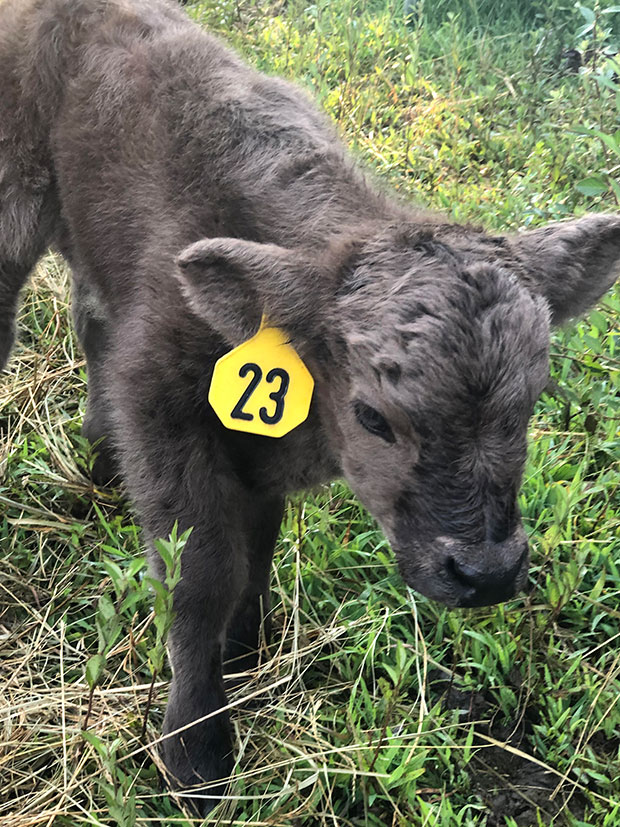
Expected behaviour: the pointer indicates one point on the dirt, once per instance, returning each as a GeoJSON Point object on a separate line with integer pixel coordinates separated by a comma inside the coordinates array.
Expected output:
{"type": "Point", "coordinates": [511, 784]}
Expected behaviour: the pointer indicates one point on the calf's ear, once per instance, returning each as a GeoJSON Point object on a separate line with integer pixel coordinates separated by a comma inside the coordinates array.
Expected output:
{"type": "Point", "coordinates": [231, 283]}
{"type": "Point", "coordinates": [571, 263]}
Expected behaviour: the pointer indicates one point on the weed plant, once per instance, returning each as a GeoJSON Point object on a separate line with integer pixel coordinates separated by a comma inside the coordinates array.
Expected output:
{"type": "Point", "coordinates": [372, 706]}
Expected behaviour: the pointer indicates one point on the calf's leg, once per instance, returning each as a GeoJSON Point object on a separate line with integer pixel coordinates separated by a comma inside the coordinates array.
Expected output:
{"type": "Point", "coordinates": [26, 221]}
{"type": "Point", "coordinates": [92, 330]}
{"type": "Point", "coordinates": [28, 213]}
{"type": "Point", "coordinates": [13, 275]}
{"type": "Point", "coordinates": [197, 747]}
{"type": "Point", "coordinates": [244, 630]}
{"type": "Point", "coordinates": [175, 471]}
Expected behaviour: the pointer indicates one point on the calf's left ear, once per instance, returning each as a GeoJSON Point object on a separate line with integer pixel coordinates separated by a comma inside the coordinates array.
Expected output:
{"type": "Point", "coordinates": [571, 263]}
{"type": "Point", "coordinates": [231, 283]}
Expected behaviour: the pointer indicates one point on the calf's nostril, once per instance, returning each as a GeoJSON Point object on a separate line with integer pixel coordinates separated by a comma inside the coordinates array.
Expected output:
{"type": "Point", "coordinates": [467, 575]}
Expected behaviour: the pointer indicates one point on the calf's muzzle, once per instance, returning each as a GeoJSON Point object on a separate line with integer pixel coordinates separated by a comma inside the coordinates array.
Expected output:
{"type": "Point", "coordinates": [464, 573]}
{"type": "Point", "coordinates": [497, 577]}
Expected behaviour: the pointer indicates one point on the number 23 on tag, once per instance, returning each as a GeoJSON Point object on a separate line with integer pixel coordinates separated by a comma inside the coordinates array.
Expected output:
{"type": "Point", "coordinates": [262, 386]}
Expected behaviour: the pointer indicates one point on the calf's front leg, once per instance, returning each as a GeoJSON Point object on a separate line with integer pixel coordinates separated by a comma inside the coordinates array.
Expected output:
{"type": "Point", "coordinates": [197, 747]}
{"type": "Point", "coordinates": [174, 475]}
{"type": "Point", "coordinates": [216, 605]}
{"type": "Point", "coordinates": [243, 635]}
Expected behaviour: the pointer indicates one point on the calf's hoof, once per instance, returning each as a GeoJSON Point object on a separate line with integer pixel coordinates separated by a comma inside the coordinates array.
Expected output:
{"type": "Point", "coordinates": [198, 765]}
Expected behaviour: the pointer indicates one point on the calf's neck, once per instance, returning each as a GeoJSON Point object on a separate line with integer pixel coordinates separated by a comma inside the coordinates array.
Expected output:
{"type": "Point", "coordinates": [193, 196]}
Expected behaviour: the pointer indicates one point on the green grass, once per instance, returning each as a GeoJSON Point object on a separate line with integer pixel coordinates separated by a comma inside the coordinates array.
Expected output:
{"type": "Point", "coordinates": [375, 706]}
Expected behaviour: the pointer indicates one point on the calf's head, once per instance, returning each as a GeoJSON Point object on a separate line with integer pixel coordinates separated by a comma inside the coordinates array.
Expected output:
{"type": "Point", "coordinates": [430, 346]}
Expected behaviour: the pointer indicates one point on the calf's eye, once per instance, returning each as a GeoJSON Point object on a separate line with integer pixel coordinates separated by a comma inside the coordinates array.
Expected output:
{"type": "Point", "coordinates": [373, 421]}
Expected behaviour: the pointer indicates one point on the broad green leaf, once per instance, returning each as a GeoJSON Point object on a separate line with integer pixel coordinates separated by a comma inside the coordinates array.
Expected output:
{"type": "Point", "coordinates": [94, 669]}
{"type": "Point", "coordinates": [587, 14]}
{"type": "Point", "coordinates": [106, 608]}
{"type": "Point", "coordinates": [595, 185]}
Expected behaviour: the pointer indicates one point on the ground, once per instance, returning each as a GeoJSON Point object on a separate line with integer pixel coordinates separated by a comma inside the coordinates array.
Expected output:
{"type": "Point", "coordinates": [373, 706]}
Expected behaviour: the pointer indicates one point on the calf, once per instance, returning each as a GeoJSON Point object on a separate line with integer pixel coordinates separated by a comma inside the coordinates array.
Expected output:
{"type": "Point", "coordinates": [193, 197]}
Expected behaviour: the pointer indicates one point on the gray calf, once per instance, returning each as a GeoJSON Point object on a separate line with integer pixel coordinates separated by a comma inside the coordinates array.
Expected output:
{"type": "Point", "coordinates": [191, 195]}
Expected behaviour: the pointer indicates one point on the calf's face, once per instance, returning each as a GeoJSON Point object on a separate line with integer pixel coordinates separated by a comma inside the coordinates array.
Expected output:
{"type": "Point", "coordinates": [432, 348]}
{"type": "Point", "coordinates": [444, 364]}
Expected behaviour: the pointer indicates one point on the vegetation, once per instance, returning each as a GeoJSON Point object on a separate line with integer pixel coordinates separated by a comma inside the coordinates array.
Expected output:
{"type": "Point", "coordinates": [373, 705]}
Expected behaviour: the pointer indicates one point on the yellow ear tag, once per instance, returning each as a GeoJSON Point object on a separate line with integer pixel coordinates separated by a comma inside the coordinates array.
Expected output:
{"type": "Point", "coordinates": [262, 386]}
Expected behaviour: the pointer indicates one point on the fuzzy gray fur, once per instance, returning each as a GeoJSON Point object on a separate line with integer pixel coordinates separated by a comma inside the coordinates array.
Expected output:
{"type": "Point", "coordinates": [190, 195]}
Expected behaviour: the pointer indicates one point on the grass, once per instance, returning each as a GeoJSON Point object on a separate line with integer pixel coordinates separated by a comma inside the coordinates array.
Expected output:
{"type": "Point", "coordinates": [375, 706]}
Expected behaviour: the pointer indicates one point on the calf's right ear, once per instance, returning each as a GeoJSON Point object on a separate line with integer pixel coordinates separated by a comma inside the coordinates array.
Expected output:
{"type": "Point", "coordinates": [231, 283]}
